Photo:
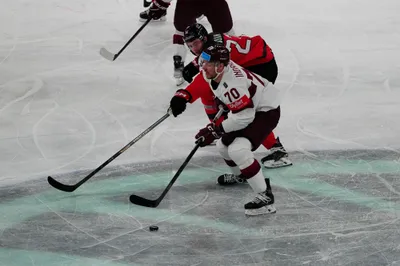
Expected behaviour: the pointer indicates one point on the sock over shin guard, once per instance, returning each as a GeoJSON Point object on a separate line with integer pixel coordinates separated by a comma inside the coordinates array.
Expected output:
{"type": "Point", "coordinates": [255, 177]}
{"type": "Point", "coordinates": [269, 141]}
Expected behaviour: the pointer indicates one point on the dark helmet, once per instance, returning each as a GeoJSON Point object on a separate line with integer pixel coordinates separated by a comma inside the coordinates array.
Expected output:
{"type": "Point", "coordinates": [216, 53]}
{"type": "Point", "coordinates": [194, 32]}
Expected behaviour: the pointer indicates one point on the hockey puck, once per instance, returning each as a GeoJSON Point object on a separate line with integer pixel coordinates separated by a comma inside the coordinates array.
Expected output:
{"type": "Point", "coordinates": [153, 228]}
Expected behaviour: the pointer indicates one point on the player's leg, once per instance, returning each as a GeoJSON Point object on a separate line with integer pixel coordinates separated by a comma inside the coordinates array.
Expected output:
{"type": "Point", "coordinates": [186, 13]}
{"type": "Point", "coordinates": [255, 133]}
{"type": "Point", "coordinates": [278, 156]}
{"type": "Point", "coordinates": [242, 156]}
{"type": "Point", "coordinates": [234, 177]}
{"type": "Point", "coordinates": [219, 16]}
{"type": "Point", "coordinates": [237, 150]}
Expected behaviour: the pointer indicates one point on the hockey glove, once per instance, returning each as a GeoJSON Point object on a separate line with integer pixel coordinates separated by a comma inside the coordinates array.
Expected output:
{"type": "Point", "coordinates": [178, 102]}
{"type": "Point", "coordinates": [189, 71]}
{"type": "Point", "coordinates": [158, 9]}
{"type": "Point", "coordinates": [208, 134]}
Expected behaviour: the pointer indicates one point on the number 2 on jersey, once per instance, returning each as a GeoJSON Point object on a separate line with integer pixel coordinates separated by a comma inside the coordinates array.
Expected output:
{"type": "Point", "coordinates": [242, 50]}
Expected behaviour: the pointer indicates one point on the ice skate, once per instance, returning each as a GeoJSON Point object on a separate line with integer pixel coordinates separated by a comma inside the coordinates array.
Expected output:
{"type": "Point", "coordinates": [262, 203]}
{"type": "Point", "coordinates": [144, 16]}
{"type": "Point", "coordinates": [229, 179]}
{"type": "Point", "coordinates": [178, 68]}
{"type": "Point", "coordinates": [277, 158]}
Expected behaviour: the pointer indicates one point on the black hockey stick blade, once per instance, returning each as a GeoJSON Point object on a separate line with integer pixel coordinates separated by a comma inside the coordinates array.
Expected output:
{"type": "Point", "coordinates": [69, 188]}
{"type": "Point", "coordinates": [54, 183]}
{"type": "Point", "coordinates": [154, 203]}
{"type": "Point", "coordinates": [144, 202]}
{"type": "Point", "coordinates": [107, 55]}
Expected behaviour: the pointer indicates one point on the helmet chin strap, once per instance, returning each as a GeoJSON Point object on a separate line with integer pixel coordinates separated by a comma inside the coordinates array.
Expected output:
{"type": "Point", "coordinates": [216, 76]}
{"type": "Point", "coordinates": [218, 73]}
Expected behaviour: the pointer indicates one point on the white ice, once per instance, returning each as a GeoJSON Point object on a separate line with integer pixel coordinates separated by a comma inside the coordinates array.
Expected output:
{"type": "Point", "coordinates": [64, 108]}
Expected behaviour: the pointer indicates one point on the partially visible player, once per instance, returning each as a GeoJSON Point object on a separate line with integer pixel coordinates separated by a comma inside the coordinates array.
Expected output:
{"type": "Point", "coordinates": [250, 52]}
{"type": "Point", "coordinates": [254, 111]}
{"type": "Point", "coordinates": [186, 12]}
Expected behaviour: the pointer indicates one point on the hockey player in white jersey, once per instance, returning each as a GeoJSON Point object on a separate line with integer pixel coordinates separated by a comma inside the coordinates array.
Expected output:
{"type": "Point", "coordinates": [254, 111]}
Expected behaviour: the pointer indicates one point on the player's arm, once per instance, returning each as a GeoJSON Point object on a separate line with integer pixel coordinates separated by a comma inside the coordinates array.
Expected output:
{"type": "Point", "coordinates": [191, 70]}
{"type": "Point", "coordinates": [212, 106]}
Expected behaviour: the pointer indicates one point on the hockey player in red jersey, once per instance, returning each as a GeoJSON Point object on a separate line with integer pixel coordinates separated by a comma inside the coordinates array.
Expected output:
{"type": "Point", "coordinates": [246, 51]}
{"type": "Point", "coordinates": [254, 111]}
{"type": "Point", "coordinates": [255, 55]}
{"type": "Point", "coordinates": [186, 12]}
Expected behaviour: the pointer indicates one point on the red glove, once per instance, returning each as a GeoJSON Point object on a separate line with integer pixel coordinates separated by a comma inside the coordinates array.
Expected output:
{"type": "Point", "coordinates": [158, 9]}
{"type": "Point", "coordinates": [208, 134]}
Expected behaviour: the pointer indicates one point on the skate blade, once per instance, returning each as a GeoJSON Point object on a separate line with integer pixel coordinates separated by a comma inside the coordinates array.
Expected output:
{"type": "Point", "coordinates": [238, 182]}
{"type": "Point", "coordinates": [277, 164]}
{"type": "Point", "coordinates": [269, 209]}
{"type": "Point", "coordinates": [162, 19]}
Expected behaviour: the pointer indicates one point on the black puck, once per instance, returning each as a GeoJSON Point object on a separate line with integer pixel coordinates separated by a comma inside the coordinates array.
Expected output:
{"type": "Point", "coordinates": [153, 228]}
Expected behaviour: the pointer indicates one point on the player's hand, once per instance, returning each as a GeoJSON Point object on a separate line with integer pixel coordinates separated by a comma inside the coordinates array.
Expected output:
{"type": "Point", "coordinates": [178, 102]}
{"type": "Point", "coordinates": [208, 134]}
{"type": "Point", "coordinates": [189, 71]}
{"type": "Point", "coordinates": [158, 9]}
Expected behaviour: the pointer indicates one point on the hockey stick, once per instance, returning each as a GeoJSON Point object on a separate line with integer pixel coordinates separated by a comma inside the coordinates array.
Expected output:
{"type": "Point", "coordinates": [110, 56]}
{"type": "Point", "coordinates": [69, 188]}
{"type": "Point", "coordinates": [154, 203]}
{"type": "Point", "coordinates": [146, 3]}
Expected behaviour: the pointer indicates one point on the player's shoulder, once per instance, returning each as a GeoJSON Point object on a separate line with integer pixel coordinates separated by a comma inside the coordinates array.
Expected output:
{"type": "Point", "coordinates": [236, 73]}
{"type": "Point", "coordinates": [214, 38]}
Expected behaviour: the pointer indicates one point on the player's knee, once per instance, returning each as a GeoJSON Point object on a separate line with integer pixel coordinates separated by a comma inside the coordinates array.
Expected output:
{"type": "Point", "coordinates": [240, 152]}
{"type": "Point", "coordinates": [222, 149]}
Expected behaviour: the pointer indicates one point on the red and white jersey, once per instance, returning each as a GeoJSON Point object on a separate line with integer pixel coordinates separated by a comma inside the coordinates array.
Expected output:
{"type": "Point", "coordinates": [248, 51]}
{"type": "Point", "coordinates": [245, 50]}
{"type": "Point", "coordinates": [242, 91]}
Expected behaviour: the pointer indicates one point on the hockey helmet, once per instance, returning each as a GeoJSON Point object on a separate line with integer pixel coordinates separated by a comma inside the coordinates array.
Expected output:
{"type": "Point", "coordinates": [216, 53]}
{"type": "Point", "coordinates": [194, 32]}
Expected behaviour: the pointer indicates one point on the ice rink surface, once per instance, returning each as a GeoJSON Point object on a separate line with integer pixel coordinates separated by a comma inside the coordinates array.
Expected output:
{"type": "Point", "coordinates": [64, 110]}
